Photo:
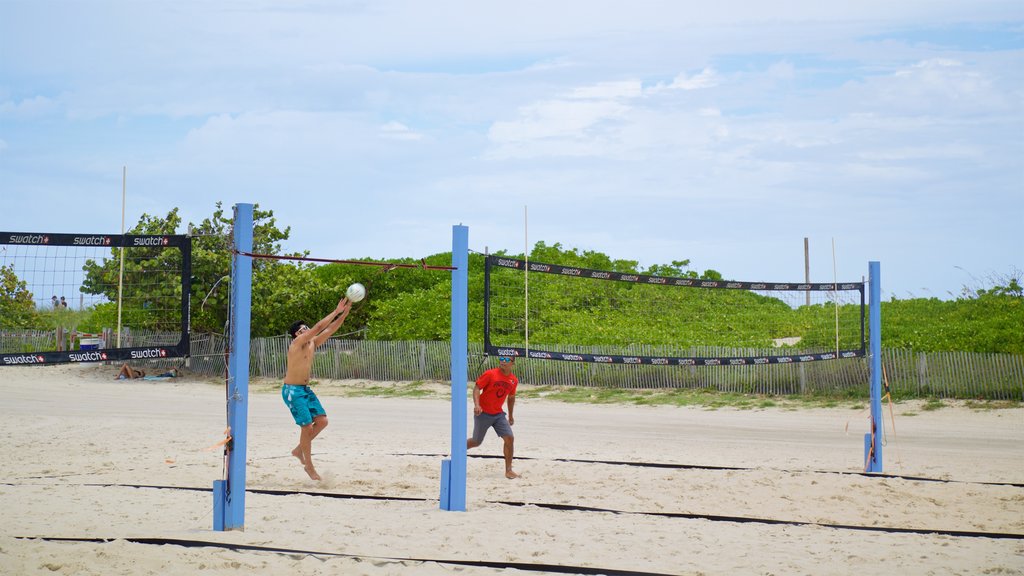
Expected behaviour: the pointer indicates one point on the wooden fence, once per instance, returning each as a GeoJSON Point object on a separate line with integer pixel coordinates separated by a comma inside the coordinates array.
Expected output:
{"type": "Point", "coordinates": [909, 374]}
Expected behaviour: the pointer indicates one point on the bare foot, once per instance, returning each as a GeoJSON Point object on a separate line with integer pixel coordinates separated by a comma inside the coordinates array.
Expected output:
{"type": "Point", "coordinates": [298, 454]}
{"type": "Point", "coordinates": [312, 472]}
{"type": "Point", "coordinates": [511, 475]}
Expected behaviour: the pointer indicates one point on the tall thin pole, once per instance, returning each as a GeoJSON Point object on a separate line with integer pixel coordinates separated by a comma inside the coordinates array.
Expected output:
{"type": "Point", "coordinates": [835, 292]}
{"type": "Point", "coordinates": [526, 280]}
{"type": "Point", "coordinates": [807, 267]}
{"type": "Point", "coordinates": [120, 275]}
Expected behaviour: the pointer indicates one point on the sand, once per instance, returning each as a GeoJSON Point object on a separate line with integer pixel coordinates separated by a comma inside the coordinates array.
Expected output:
{"type": "Point", "coordinates": [112, 477]}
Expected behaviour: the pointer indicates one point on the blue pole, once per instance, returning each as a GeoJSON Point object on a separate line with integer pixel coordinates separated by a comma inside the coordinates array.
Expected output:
{"type": "Point", "coordinates": [232, 490]}
{"type": "Point", "coordinates": [453, 471]}
{"type": "Point", "coordinates": [873, 439]}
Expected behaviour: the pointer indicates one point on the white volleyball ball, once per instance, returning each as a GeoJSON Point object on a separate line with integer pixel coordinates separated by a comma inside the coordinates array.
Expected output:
{"type": "Point", "coordinates": [356, 292]}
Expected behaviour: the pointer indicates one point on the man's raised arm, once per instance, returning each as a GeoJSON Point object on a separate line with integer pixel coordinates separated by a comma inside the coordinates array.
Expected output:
{"type": "Point", "coordinates": [333, 321]}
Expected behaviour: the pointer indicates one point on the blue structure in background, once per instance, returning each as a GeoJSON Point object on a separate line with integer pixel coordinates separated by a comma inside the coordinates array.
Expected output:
{"type": "Point", "coordinates": [873, 439]}
{"type": "Point", "coordinates": [453, 471]}
{"type": "Point", "coordinates": [229, 493]}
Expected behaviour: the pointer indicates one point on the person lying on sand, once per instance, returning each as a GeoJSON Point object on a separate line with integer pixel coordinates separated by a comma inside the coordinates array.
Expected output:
{"type": "Point", "coordinates": [127, 373]}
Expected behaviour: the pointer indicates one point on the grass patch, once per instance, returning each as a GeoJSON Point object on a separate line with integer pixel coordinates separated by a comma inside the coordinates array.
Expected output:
{"type": "Point", "coordinates": [415, 389]}
{"type": "Point", "coordinates": [985, 405]}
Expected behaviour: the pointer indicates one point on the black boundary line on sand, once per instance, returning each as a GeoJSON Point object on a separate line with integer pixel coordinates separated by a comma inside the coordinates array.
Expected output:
{"type": "Point", "coordinates": [738, 468]}
{"type": "Point", "coordinates": [576, 508]}
{"type": "Point", "coordinates": [525, 566]}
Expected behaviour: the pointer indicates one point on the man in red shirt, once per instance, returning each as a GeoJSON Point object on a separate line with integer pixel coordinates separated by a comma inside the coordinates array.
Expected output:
{"type": "Point", "coordinates": [490, 392]}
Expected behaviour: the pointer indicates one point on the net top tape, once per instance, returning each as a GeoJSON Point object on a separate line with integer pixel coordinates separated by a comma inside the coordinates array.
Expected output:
{"type": "Point", "coordinates": [544, 268]}
{"type": "Point", "coordinates": [94, 240]}
{"type": "Point", "coordinates": [536, 354]}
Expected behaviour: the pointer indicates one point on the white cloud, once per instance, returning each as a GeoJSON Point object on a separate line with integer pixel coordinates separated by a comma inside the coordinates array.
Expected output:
{"type": "Point", "coordinates": [28, 108]}
{"type": "Point", "coordinates": [567, 120]}
{"type": "Point", "coordinates": [622, 90]}
{"type": "Point", "coordinates": [588, 120]}
{"type": "Point", "coordinates": [398, 131]}
{"type": "Point", "coordinates": [934, 86]}
{"type": "Point", "coordinates": [707, 78]}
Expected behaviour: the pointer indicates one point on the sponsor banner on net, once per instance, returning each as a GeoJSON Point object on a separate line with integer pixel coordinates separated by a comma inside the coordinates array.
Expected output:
{"type": "Point", "coordinates": [148, 353]}
{"type": "Point", "coordinates": [91, 241]}
{"type": "Point", "coordinates": [151, 241]}
{"type": "Point", "coordinates": [28, 239]}
{"type": "Point", "coordinates": [87, 356]}
{"type": "Point", "coordinates": [24, 359]}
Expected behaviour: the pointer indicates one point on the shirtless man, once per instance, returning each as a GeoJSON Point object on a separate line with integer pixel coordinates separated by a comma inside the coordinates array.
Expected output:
{"type": "Point", "coordinates": [305, 407]}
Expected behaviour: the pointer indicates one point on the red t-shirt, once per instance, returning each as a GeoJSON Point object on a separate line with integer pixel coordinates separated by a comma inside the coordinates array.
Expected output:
{"type": "Point", "coordinates": [494, 388]}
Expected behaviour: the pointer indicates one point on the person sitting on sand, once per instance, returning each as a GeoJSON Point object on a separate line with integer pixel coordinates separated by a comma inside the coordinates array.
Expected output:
{"type": "Point", "coordinates": [127, 373]}
{"type": "Point", "coordinates": [305, 407]}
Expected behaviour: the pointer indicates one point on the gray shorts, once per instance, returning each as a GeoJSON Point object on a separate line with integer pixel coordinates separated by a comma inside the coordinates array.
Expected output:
{"type": "Point", "coordinates": [485, 421]}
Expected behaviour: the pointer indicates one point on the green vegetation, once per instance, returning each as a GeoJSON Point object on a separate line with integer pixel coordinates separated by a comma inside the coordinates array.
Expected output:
{"type": "Point", "coordinates": [16, 307]}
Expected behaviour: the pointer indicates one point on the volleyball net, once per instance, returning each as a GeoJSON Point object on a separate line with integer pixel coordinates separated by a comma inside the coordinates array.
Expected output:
{"type": "Point", "coordinates": [93, 297]}
{"type": "Point", "coordinates": [555, 312]}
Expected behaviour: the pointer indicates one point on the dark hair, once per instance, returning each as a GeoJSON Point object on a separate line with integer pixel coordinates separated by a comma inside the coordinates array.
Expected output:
{"type": "Point", "coordinates": [295, 327]}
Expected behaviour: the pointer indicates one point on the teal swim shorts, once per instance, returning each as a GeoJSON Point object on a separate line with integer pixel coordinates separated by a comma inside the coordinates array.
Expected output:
{"type": "Point", "coordinates": [303, 403]}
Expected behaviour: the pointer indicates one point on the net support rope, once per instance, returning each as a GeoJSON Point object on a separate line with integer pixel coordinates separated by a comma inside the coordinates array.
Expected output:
{"type": "Point", "coordinates": [389, 265]}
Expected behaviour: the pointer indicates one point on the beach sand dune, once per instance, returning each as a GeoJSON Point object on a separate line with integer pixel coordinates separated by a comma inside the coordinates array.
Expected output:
{"type": "Point", "coordinates": [113, 477]}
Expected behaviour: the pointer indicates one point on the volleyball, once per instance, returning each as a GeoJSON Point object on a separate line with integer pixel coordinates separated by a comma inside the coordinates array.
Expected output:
{"type": "Point", "coordinates": [356, 292]}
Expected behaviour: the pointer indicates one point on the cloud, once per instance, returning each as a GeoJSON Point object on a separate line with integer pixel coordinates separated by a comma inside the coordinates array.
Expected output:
{"type": "Point", "coordinates": [28, 108]}
{"type": "Point", "coordinates": [705, 79]}
{"type": "Point", "coordinates": [560, 125]}
{"type": "Point", "coordinates": [933, 86]}
{"type": "Point", "coordinates": [398, 131]}
{"type": "Point", "coordinates": [587, 120]}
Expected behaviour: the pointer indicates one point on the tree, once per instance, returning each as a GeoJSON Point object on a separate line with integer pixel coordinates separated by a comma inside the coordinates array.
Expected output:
{"type": "Point", "coordinates": [17, 310]}
{"type": "Point", "coordinates": [276, 285]}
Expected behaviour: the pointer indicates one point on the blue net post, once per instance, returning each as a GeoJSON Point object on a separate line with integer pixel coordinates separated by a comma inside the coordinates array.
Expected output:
{"type": "Point", "coordinates": [873, 439]}
{"type": "Point", "coordinates": [453, 471]}
{"type": "Point", "coordinates": [232, 489]}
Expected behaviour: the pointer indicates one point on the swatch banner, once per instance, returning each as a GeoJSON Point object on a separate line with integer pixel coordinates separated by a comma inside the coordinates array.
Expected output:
{"type": "Point", "coordinates": [94, 240]}
{"type": "Point", "coordinates": [103, 355]}
{"type": "Point", "coordinates": [669, 360]}
{"type": "Point", "coordinates": [543, 268]}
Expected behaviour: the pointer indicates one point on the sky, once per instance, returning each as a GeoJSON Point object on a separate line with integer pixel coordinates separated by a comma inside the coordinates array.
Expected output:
{"type": "Point", "coordinates": [723, 133]}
